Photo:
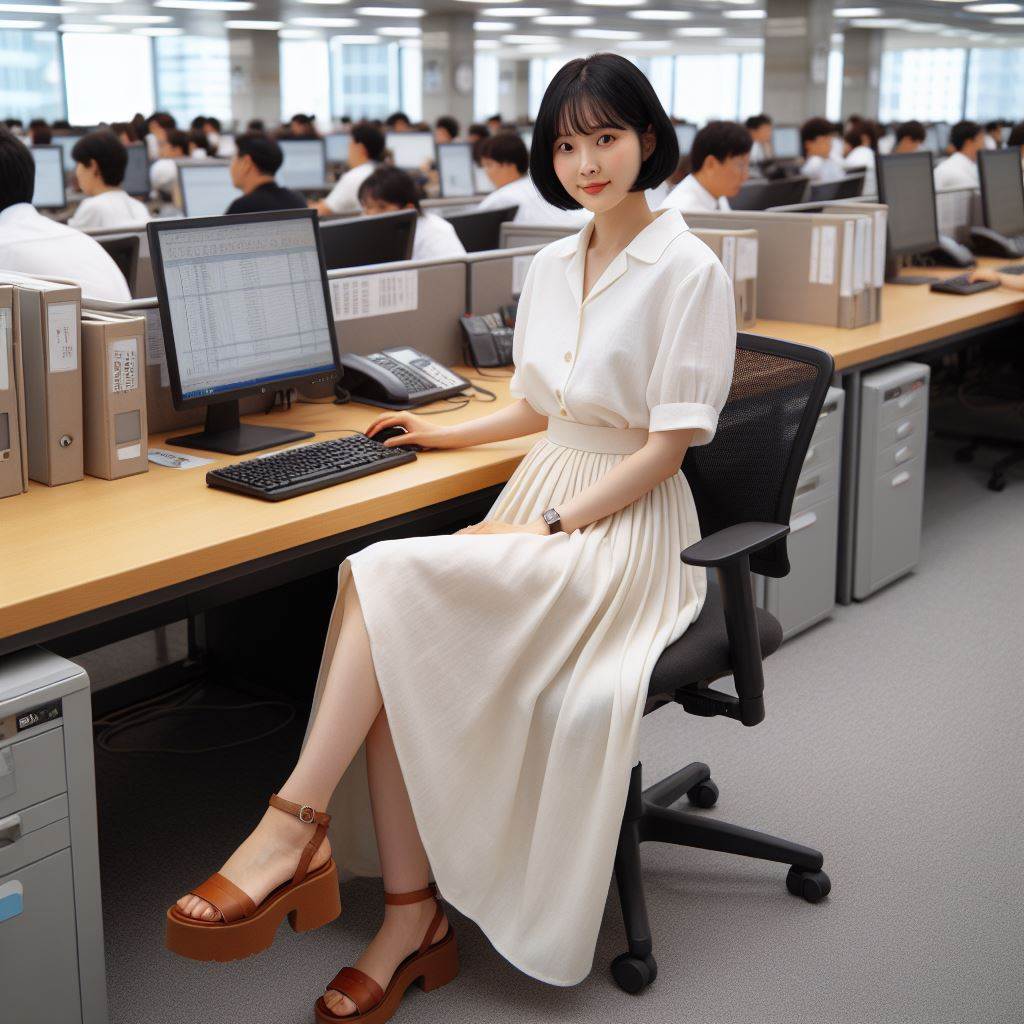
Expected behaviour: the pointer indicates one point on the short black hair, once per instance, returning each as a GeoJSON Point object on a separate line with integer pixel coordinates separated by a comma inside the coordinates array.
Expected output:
{"type": "Point", "coordinates": [991, 126]}
{"type": "Point", "coordinates": [600, 91]}
{"type": "Point", "coordinates": [814, 127]}
{"type": "Point", "coordinates": [256, 124]}
{"type": "Point", "coordinates": [264, 151]}
{"type": "Point", "coordinates": [757, 121]}
{"type": "Point", "coordinates": [962, 132]}
{"type": "Point", "coordinates": [40, 134]}
{"type": "Point", "coordinates": [197, 123]}
{"type": "Point", "coordinates": [197, 137]}
{"type": "Point", "coordinates": [505, 148]}
{"type": "Point", "coordinates": [125, 128]}
{"type": "Point", "coordinates": [720, 139]}
{"type": "Point", "coordinates": [162, 118]}
{"type": "Point", "coordinates": [301, 118]}
{"type": "Point", "coordinates": [178, 139]}
{"type": "Point", "coordinates": [449, 124]}
{"type": "Point", "coordinates": [913, 130]}
{"type": "Point", "coordinates": [398, 115]}
{"type": "Point", "coordinates": [370, 136]}
{"type": "Point", "coordinates": [107, 150]}
{"type": "Point", "coordinates": [13, 122]}
{"type": "Point", "coordinates": [213, 122]}
{"type": "Point", "coordinates": [391, 185]}
{"type": "Point", "coordinates": [1016, 135]}
{"type": "Point", "coordinates": [478, 129]}
{"type": "Point", "coordinates": [17, 170]}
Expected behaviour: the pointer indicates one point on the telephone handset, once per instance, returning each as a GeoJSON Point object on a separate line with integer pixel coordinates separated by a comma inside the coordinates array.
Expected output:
{"type": "Point", "coordinates": [488, 338]}
{"type": "Point", "coordinates": [396, 378]}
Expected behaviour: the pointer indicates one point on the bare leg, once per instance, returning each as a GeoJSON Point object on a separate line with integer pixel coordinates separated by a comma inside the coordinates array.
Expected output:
{"type": "Point", "coordinates": [349, 703]}
{"type": "Point", "coordinates": [404, 867]}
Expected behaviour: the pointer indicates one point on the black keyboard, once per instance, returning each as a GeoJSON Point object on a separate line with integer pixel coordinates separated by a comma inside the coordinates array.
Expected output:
{"type": "Point", "coordinates": [308, 468]}
{"type": "Point", "coordinates": [962, 285]}
{"type": "Point", "coordinates": [1012, 268]}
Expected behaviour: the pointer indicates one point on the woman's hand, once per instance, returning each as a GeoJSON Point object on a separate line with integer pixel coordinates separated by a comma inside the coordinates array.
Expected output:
{"type": "Point", "coordinates": [419, 430]}
{"type": "Point", "coordinates": [538, 527]}
{"type": "Point", "coordinates": [984, 274]}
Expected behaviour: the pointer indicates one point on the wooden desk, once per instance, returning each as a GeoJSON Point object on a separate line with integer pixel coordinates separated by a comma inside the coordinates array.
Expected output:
{"type": "Point", "coordinates": [90, 544]}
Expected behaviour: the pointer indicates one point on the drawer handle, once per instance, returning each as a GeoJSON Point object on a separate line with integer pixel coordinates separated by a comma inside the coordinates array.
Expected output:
{"type": "Point", "coordinates": [10, 830]}
{"type": "Point", "coordinates": [902, 454]}
{"type": "Point", "coordinates": [808, 486]}
{"type": "Point", "coordinates": [802, 522]}
{"type": "Point", "coordinates": [900, 478]}
{"type": "Point", "coordinates": [906, 427]}
{"type": "Point", "coordinates": [809, 455]}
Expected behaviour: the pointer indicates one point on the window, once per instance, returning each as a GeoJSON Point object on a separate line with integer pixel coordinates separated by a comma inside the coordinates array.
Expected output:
{"type": "Point", "coordinates": [30, 81]}
{"type": "Point", "coordinates": [485, 85]}
{"type": "Point", "coordinates": [306, 79]}
{"type": "Point", "coordinates": [411, 69]}
{"type": "Point", "coordinates": [108, 78]}
{"type": "Point", "coordinates": [923, 84]}
{"type": "Point", "coordinates": [193, 77]}
{"type": "Point", "coordinates": [834, 84]}
{"type": "Point", "coordinates": [993, 84]}
{"type": "Point", "coordinates": [751, 85]}
{"type": "Point", "coordinates": [364, 78]}
{"type": "Point", "coordinates": [707, 87]}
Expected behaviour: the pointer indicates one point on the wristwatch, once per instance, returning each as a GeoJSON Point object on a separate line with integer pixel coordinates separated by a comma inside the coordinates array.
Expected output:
{"type": "Point", "coordinates": [553, 519]}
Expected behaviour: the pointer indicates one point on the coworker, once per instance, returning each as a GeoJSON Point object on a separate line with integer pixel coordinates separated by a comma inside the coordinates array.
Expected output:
{"type": "Point", "coordinates": [495, 123]}
{"type": "Point", "coordinates": [39, 133]}
{"type": "Point", "coordinates": [221, 146]}
{"type": "Point", "coordinates": [302, 126]}
{"type": "Point", "coordinates": [125, 131]}
{"type": "Point", "coordinates": [100, 162]}
{"type": "Point", "coordinates": [760, 128]}
{"type": "Point", "coordinates": [816, 136]}
{"type": "Point", "coordinates": [476, 133]}
{"type": "Point", "coordinates": [720, 164]}
{"type": "Point", "coordinates": [530, 815]}
{"type": "Point", "coordinates": [446, 129]}
{"type": "Point", "coordinates": [157, 127]}
{"type": "Point", "coordinates": [391, 188]}
{"type": "Point", "coordinates": [861, 148]}
{"type": "Point", "coordinates": [163, 173]}
{"type": "Point", "coordinates": [960, 169]}
{"type": "Point", "coordinates": [993, 135]}
{"type": "Point", "coordinates": [199, 147]}
{"type": "Point", "coordinates": [910, 136]}
{"type": "Point", "coordinates": [505, 162]}
{"type": "Point", "coordinates": [257, 159]}
{"type": "Point", "coordinates": [36, 245]}
{"type": "Point", "coordinates": [398, 122]}
{"type": "Point", "coordinates": [365, 149]}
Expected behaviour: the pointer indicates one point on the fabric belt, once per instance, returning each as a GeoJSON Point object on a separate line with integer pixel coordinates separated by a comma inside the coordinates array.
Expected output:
{"type": "Point", "coordinates": [590, 438]}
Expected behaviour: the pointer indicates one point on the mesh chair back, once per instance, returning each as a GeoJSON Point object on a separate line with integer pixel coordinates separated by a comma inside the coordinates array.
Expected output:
{"type": "Point", "coordinates": [749, 470]}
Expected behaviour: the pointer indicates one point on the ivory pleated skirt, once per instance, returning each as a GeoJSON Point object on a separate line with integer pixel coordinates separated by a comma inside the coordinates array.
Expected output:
{"type": "Point", "coordinates": [514, 671]}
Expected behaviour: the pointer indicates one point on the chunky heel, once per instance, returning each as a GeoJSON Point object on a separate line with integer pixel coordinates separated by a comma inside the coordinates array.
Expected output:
{"type": "Point", "coordinates": [320, 904]}
{"type": "Point", "coordinates": [440, 969]}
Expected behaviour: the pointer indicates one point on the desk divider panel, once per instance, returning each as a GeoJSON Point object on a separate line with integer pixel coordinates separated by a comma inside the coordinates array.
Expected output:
{"type": "Point", "coordinates": [496, 277]}
{"type": "Point", "coordinates": [514, 236]}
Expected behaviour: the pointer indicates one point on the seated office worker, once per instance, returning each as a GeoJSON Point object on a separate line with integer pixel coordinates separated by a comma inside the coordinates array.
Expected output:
{"type": "Point", "coordinates": [365, 149]}
{"type": "Point", "coordinates": [100, 161]}
{"type": "Point", "coordinates": [861, 143]}
{"type": "Point", "coordinates": [389, 189]}
{"type": "Point", "coordinates": [163, 173]}
{"type": "Point", "coordinates": [910, 136]}
{"type": "Point", "coordinates": [817, 135]}
{"type": "Point", "coordinates": [760, 128]}
{"type": "Point", "coordinates": [33, 244]}
{"type": "Point", "coordinates": [960, 169]}
{"type": "Point", "coordinates": [257, 159]}
{"type": "Point", "coordinates": [624, 347]}
{"type": "Point", "coordinates": [506, 162]}
{"type": "Point", "coordinates": [720, 162]}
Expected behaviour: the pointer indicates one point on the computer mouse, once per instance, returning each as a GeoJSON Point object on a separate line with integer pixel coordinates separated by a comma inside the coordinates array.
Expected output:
{"type": "Point", "coordinates": [396, 431]}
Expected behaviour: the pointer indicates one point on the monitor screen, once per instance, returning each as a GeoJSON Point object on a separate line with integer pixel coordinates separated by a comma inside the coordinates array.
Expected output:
{"type": "Point", "coordinates": [786, 141]}
{"type": "Point", "coordinates": [136, 173]}
{"type": "Point", "coordinates": [1002, 190]}
{"type": "Point", "coordinates": [410, 149]}
{"type": "Point", "coordinates": [206, 189]}
{"type": "Point", "coordinates": [49, 187]}
{"type": "Point", "coordinates": [905, 186]}
{"type": "Point", "coordinates": [481, 182]}
{"type": "Point", "coordinates": [67, 143]}
{"type": "Point", "coordinates": [243, 303]}
{"type": "Point", "coordinates": [455, 169]}
{"type": "Point", "coordinates": [941, 135]}
{"type": "Point", "coordinates": [305, 164]}
{"type": "Point", "coordinates": [931, 140]}
{"type": "Point", "coordinates": [363, 241]}
{"type": "Point", "coordinates": [685, 134]}
{"type": "Point", "coordinates": [337, 147]}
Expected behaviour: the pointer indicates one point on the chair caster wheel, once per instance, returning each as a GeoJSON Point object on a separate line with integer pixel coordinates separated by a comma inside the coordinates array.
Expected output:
{"type": "Point", "coordinates": [809, 885]}
{"type": "Point", "coordinates": [997, 483]}
{"type": "Point", "coordinates": [633, 974]}
{"type": "Point", "coordinates": [704, 794]}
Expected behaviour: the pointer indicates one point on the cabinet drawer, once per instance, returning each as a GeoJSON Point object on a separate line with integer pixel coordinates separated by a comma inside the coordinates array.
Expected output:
{"type": "Point", "coordinates": [32, 770]}
{"type": "Point", "coordinates": [902, 429]}
{"type": "Point", "coordinates": [892, 458]}
{"type": "Point", "coordinates": [912, 400]}
{"type": "Point", "coordinates": [814, 486]}
{"type": "Point", "coordinates": [821, 452]}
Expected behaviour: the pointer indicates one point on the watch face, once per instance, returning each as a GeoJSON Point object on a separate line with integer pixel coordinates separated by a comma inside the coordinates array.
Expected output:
{"type": "Point", "coordinates": [551, 516]}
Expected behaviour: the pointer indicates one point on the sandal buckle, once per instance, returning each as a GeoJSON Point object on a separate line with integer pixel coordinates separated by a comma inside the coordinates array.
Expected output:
{"type": "Point", "coordinates": [312, 814]}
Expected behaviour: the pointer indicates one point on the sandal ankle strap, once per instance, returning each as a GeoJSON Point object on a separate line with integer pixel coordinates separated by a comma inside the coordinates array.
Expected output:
{"type": "Point", "coordinates": [414, 896]}
{"type": "Point", "coordinates": [308, 816]}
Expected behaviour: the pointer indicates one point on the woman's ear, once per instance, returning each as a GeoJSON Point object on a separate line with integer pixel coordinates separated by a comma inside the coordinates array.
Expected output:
{"type": "Point", "coordinates": [648, 140]}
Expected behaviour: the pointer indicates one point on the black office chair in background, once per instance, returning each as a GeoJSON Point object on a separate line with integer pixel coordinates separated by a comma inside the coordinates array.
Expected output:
{"type": "Point", "coordinates": [124, 251]}
{"type": "Point", "coordinates": [743, 484]}
{"type": "Point", "coordinates": [481, 231]}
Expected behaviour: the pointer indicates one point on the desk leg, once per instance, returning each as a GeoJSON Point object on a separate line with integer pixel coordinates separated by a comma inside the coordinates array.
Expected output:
{"type": "Point", "coordinates": [848, 487]}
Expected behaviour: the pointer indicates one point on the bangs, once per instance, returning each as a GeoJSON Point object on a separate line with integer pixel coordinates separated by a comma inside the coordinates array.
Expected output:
{"type": "Point", "coordinates": [583, 112]}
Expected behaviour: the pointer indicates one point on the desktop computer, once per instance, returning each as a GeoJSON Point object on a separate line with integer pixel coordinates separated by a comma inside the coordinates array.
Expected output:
{"type": "Point", "coordinates": [136, 172]}
{"type": "Point", "coordinates": [49, 193]}
{"type": "Point", "coordinates": [305, 164]}
{"type": "Point", "coordinates": [932, 140]}
{"type": "Point", "coordinates": [410, 149]}
{"type": "Point", "coordinates": [786, 142]}
{"type": "Point", "coordinates": [765, 195]}
{"type": "Point", "coordinates": [1002, 204]}
{"type": "Point", "coordinates": [336, 147]}
{"type": "Point", "coordinates": [455, 169]}
{"type": "Point", "coordinates": [67, 143]}
{"type": "Point", "coordinates": [685, 134]}
{"type": "Point", "coordinates": [364, 241]}
{"type": "Point", "coordinates": [206, 189]}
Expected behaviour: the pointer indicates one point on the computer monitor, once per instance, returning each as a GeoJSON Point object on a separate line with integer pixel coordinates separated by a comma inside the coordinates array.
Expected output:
{"type": "Point", "coordinates": [455, 169]}
{"type": "Point", "coordinates": [136, 173]}
{"type": "Point", "coordinates": [245, 309]}
{"type": "Point", "coordinates": [685, 134]}
{"type": "Point", "coordinates": [481, 182]}
{"type": "Point", "coordinates": [410, 149]}
{"type": "Point", "coordinates": [786, 142]}
{"type": "Point", "coordinates": [1002, 190]}
{"type": "Point", "coordinates": [481, 231]}
{"type": "Point", "coordinates": [942, 129]}
{"type": "Point", "coordinates": [364, 241]}
{"type": "Point", "coordinates": [765, 195]}
{"type": "Point", "coordinates": [906, 186]}
{"type": "Point", "coordinates": [931, 140]}
{"type": "Point", "coordinates": [305, 164]}
{"type": "Point", "coordinates": [842, 188]}
{"type": "Point", "coordinates": [49, 191]}
{"type": "Point", "coordinates": [206, 189]}
{"type": "Point", "coordinates": [124, 251]}
{"type": "Point", "coordinates": [337, 147]}
{"type": "Point", "coordinates": [67, 143]}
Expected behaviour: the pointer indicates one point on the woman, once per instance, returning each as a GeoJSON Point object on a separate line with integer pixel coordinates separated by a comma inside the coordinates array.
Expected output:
{"type": "Point", "coordinates": [861, 143]}
{"type": "Point", "coordinates": [480, 694]}
{"type": "Point", "coordinates": [389, 189]}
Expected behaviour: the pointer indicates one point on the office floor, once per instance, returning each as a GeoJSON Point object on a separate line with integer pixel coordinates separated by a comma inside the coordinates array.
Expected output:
{"type": "Point", "coordinates": [892, 743]}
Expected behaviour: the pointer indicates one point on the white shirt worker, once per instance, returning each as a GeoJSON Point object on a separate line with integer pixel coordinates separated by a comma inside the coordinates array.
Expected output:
{"type": "Point", "coordinates": [691, 196]}
{"type": "Point", "coordinates": [956, 171]}
{"type": "Point", "coordinates": [435, 239]}
{"type": "Point", "coordinates": [111, 209]}
{"type": "Point", "coordinates": [344, 197]}
{"type": "Point", "coordinates": [533, 207]}
{"type": "Point", "coordinates": [822, 168]}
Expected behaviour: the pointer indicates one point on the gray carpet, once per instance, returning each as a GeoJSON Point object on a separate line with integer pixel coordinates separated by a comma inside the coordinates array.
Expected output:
{"type": "Point", "coordinates": [892, 743]}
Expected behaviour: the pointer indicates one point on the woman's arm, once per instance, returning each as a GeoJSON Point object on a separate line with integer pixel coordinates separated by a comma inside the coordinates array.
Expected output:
{"type": "Point", "coordinates": [516, 420]}
{"type": "Point", "coordinates": [1014, 281]}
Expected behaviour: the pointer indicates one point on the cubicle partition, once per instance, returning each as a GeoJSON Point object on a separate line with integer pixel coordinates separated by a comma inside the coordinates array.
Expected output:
{"type": "Point", "coordinates": [514, 236]}
{"type": "Point", "coordinates": [495, 278]}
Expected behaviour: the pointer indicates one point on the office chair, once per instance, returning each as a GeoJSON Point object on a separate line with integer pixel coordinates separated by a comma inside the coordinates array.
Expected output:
{"type": "Point", "coordinates": [124, 251]}
{"type": "Point", "coordinates": [743, 484]}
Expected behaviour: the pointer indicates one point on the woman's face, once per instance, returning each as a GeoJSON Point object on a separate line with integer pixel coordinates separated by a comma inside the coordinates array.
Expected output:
{"type": "Point", "coordinates": [598, 169]}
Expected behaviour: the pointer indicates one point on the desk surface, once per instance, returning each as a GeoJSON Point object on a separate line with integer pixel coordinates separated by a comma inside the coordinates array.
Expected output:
{"type": "Point", "coordinates": [69, 549]}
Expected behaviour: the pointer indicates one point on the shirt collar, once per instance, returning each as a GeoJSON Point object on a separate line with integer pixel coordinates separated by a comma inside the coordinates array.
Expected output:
{"type": "Point", "coordinates": [647, 245]}
{"type": "Point", "coordinates": [19, 211]}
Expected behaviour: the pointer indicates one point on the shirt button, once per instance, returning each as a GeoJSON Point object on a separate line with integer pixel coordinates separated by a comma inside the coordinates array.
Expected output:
{"type": "Point", "coordinates": [568, 357]}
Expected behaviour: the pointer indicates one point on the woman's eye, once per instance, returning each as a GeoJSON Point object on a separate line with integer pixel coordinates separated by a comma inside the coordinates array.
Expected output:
{"type": "Point", "coordinates": [610, 138]}
{"type": "Point", "coordinates": [564, 147]}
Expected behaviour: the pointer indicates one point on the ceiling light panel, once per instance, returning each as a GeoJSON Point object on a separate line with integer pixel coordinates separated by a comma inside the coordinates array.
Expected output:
{"type": "Point", "coordinates": [564, 19]}
{"type": "Point", "coordinates": [391, 12]}
{"type": "Point", "coordinates": [648, 15]}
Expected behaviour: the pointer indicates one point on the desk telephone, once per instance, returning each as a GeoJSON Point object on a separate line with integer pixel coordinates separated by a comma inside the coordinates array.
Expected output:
{"type": "Point", "coordinates": [488, 338]}
{"type": "Point", "coordinates": [396, 378]}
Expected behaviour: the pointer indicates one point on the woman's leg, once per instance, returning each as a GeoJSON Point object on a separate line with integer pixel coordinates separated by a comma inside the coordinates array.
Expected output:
{"type": "Point", "coordinates": [403, 862]}
{"type": "Point", "coordinates": [349, 703]}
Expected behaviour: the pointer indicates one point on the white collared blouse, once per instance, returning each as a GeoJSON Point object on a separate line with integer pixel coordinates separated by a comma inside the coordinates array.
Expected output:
{"type": "Point", "coordinates": [651, 346]}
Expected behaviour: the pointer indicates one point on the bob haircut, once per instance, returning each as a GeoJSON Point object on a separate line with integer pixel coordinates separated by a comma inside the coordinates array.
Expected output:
{"type": "Point", "coordinates": [600, 91]}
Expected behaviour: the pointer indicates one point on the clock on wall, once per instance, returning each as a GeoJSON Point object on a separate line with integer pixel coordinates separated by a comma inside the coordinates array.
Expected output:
{"type": "Point", "coordinates": [464, 77]}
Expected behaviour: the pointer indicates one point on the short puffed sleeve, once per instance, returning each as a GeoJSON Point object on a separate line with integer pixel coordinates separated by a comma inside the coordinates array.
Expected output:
{"type": "Point", "coordinates": [515, 384]}
{"type": "Point", "coordinates": [694, 363]}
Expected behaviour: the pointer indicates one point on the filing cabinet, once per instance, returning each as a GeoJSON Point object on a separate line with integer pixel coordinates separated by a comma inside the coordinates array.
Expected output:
{"type": "Point", "coordinates": [890, 475]}
{"type": "Point", "coordinates": [51, 926]}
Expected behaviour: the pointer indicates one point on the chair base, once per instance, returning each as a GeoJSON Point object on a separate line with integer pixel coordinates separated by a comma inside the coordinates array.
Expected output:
{"type": "Point", "coordinates": [649, 817]}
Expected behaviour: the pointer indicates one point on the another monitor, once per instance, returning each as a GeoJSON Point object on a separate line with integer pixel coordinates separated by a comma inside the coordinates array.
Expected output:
{"type": "Point", "coordinates": [67, 143]}
{"type": "Point", "coordinates": [942, 129]}
{"type": "Point", "coordinates": [786, 142]}
{"type": "Point", "coordinates": [336, 145]}
{"type": "Point", "coordinates": [481, 182]}
{"type": "Point", "coordinates": [136, 173]}
{"type": "Point", "coordinates": [305, 164]}
{"type": "Point", "coordinates": [245, 310]}
{"type": "Point", "coordinates": [206, 189]}
{"type": "Point", "coordinates": [410, 149]}
{"type": "Point", "coordinates": [906, 186]}
{"type": "Point", "coordinates": [765, 195]}
{"type": "Point", "coordinates": [124, 251]}
{"type": "Point", "coordinates": [455, 169]}
{"type": "Point", "coordinates": [931, 140]}
{"type": "Point", "coordinates": [49, 191]}
{"type": "Point", "coordinates": [481, 231]}
{"type": "Point", "coordinates": [364, 241]}
{"type": "Point", "coordinates": [685, 134]}
{"type": "Point", "coordinates": [1002, 190]}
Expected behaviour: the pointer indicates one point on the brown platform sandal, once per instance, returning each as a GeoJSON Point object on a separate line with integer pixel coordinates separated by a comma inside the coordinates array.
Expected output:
{"type": "Point", "coordinates": [430, 967]}
{"type": "Point", "coordinates": [309, 899]}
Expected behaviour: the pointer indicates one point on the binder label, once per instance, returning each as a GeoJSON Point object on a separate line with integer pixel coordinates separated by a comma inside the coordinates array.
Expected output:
{"type": "Point", "coordinates": [5, 348]}
{"type": "Point", "coordinates": [823, 254]}
{"type": "Point", "coordinates": [62, 325]}
{"type": "Point", "coordinates": [124, 365]}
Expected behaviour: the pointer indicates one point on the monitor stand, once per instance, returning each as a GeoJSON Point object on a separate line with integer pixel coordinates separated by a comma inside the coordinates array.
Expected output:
{"type": "Point", "coordinates": [224, 433]}
{"type": "Point", "coordinates": [893, 275]}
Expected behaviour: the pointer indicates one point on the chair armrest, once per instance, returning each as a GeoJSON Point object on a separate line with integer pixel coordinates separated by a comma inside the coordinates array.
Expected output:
{"type": "Point", "coordinates": [729, 544]}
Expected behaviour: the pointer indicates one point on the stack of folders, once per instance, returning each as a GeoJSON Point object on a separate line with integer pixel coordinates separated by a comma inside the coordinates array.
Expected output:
{"type": "Point", "coordinates": [737, 249]}
{"type": "Point", "coordinates": [816, 268]}
{"type": "Point", "coordinates": [13, 439]}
